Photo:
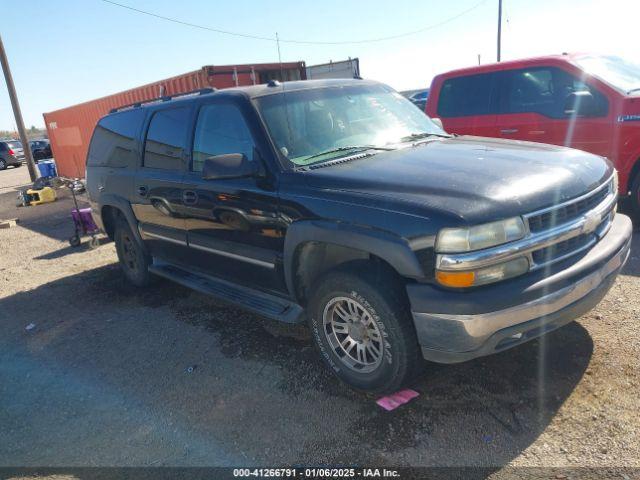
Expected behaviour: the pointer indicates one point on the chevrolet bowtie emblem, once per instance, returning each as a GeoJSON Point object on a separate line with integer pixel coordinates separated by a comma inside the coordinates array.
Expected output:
{"type": "Point", "coordinates": [591, 222]}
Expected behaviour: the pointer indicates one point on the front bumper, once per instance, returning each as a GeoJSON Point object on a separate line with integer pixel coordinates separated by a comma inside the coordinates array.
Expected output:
{"type": "Point", "coordinates": [466, 328]}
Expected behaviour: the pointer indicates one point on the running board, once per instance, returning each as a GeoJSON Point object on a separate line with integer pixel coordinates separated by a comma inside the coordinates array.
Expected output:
{"type": "Point", "coordinates": [262, 303]}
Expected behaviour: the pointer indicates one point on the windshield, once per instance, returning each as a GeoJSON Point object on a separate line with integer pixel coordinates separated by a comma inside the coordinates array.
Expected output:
{"type": "Point", "coordinates": [620, 73]}
{"type": "Point", "coordinates": [318, 125]}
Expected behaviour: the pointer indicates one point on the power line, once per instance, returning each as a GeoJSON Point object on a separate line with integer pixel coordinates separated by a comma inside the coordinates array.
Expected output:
{"type": "Point", "coordinates": [300, 42]}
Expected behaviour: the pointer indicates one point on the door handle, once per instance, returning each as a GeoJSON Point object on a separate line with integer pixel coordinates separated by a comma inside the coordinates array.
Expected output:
{"type": "Point", "coordinates": [509, 130]}
{"type": "Point", "coordinates": [142, 191]}
{"type": "Point", "coordinates": [189, 197]}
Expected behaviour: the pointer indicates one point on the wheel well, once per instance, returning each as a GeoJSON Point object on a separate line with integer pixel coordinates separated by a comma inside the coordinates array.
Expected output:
{"type": "Point", "coordinates": [632, 175]}
{"type": "Point", "coordinates": [109, 216]}
{"type": "Point", "coordinates": [313, 259]}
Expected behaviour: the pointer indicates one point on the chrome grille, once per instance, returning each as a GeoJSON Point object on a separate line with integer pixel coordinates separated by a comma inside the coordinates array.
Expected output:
{"type": "Point", "coordinates": [558, 216]}
{"type": "Point", "coordinates": [600, 203]}
{"type": "Point", "coordinates": [561, 249]}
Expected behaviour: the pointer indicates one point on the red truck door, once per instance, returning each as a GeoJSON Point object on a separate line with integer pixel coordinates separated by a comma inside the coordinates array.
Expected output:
{"type": "Point", "coordinates": [467, 105]}
{"type": "Point", "coordinates": [538, 104]}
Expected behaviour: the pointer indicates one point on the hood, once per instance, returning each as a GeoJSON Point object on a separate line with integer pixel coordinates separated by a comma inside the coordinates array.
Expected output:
{"type": "Point", "coordinates": [472, 178]}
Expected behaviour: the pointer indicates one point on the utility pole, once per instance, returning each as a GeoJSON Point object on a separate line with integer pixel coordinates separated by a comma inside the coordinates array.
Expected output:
{"type": "Point", "coordinates": [16, 113]}
{"type": "Point", "coordinates": [499, 26]}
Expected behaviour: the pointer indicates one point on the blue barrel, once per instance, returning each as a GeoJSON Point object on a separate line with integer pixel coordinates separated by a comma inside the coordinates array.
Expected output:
{"type": "Point", "coordinates": [47, 168]}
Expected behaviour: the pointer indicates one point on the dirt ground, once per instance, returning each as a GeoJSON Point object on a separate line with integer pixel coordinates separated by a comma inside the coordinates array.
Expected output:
{"type": "Point", "coordinates": [96, 373]}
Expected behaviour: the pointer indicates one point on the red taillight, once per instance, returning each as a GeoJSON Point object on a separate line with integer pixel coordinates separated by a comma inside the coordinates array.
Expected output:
{"type": "Point", "coordinates": [11, 152]}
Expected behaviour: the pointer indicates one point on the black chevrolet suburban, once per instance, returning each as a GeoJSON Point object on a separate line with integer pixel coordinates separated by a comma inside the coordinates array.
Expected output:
{"type": "Point", "coordinates": [340, 203]}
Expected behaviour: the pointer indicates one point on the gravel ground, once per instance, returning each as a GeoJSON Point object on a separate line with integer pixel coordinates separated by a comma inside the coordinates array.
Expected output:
{"type": "Point", "coordinates": [112, 375]}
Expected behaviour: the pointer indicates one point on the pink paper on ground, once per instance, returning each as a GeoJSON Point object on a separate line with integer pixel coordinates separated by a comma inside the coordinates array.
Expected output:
{"type": "Point", "coordinates": [393, 401]}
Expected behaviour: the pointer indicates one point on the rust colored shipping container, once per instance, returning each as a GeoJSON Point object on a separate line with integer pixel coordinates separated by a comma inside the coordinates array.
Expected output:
{"type": "Point", "coordinates": [70, 128]}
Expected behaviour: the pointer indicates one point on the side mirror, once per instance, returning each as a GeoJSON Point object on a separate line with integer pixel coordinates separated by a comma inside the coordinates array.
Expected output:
{"type": "Point", "coordinates": [579, 104]}
{"type": "Point", "coordinates": [230, 165]}
{"type": "Point", "coordinates": [438, 122]}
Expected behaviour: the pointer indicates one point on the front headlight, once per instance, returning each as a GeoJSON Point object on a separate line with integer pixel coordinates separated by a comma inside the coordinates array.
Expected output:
{"type": "Point", "coordinates": [468, 239]}
{"type": "Point", "coordinates": [483, 276]}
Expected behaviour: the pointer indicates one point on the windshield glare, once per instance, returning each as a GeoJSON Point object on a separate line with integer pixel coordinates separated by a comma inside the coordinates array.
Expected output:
{"type": "Point", "coordinates": [305, 124]}
{"type": "Point", "coordinates": [619, 73]}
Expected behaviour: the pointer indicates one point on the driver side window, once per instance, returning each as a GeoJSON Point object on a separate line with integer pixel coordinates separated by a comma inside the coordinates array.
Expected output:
{"type": "Point", "coordinates": [220, 129]}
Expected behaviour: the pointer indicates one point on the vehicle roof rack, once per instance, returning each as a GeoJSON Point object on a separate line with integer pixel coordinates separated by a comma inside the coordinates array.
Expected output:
{"type": "Point", "coordinates": [165, 98]}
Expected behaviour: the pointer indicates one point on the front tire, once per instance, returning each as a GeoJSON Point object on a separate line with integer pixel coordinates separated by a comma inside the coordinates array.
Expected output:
{"type": "Point", "coordinates": [133, 260]}
{"type": "Point", "coordinates": [360, 323]}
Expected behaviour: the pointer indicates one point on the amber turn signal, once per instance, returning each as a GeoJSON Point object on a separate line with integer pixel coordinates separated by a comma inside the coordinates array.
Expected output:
{"type": "Point", "coordinates": [455, 279]}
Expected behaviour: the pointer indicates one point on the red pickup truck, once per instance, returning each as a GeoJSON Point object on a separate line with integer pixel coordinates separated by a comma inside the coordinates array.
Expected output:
{"type": "Point", "coordinates": [589, 102]}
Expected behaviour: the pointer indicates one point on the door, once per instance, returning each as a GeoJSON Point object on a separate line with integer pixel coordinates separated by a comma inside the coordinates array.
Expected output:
{"type": "Point", "coordinates": [233, 226]}
{"type": "Point", "coordinates": [536, 105]}
{"type": "Point", "coordinates": [467, 105]}
{"type": "Point", "coordinates": [157, 196]}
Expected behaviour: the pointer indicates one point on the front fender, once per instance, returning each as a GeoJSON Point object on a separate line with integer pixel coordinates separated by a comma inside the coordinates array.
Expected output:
{"type": "Point", "coordinates": [391, 248]}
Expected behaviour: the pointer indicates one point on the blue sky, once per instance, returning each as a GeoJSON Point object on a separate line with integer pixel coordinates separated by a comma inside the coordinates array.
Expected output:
{"type": "Point", "coordinates": [75, 50]}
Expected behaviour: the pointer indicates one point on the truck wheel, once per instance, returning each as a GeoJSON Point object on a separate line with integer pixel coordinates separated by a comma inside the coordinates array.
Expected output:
{"type": "Point", "coordinates": [133, 260]}
{"type": "Point", "coordinates": [360, 323]}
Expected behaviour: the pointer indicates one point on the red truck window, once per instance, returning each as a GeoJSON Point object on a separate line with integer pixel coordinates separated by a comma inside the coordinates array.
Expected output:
{"type": "Point", "coordinates": [544, 90]}
{"type": "Point", "coordinates": [465, 96]}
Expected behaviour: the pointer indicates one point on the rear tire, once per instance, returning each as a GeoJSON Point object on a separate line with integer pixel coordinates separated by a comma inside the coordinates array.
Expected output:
{"type": "Point", "coordinates": [361, 325]}
{"type": "Point", "coordinates": [3, 164]}
{"type": "Point", "coordinates": [133, 260]}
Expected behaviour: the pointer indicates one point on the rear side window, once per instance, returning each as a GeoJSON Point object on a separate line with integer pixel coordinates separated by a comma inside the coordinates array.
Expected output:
{"type": "Point", "coordinates": [465, 96]}
{"type": "Point", "coordinates": [220, 129]}
{"type": "Point", "coordinates": [166, 137]}
{"type": "Point", "coordinates": [545, 90]}
{"type": "Point", "coordinates": [114, 140]}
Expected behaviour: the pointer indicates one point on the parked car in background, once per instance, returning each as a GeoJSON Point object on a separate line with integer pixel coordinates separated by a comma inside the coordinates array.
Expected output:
{"type": "Point", "coordinates": [10, 154]}
{"type": "Point", "coordinates": [588, 102]}
{"type": "Point", "coordinates": [419, 98]}
{"type": "Point", "coordinates": [40, 149]}
{"type": "Point", "coordinates": [338, 203]}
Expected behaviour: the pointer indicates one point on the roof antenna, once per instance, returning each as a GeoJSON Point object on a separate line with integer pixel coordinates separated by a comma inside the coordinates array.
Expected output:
{"type": "Point", "coordinates": [279, 58]}
{"type": "Point", "coordinates": [284, 97]}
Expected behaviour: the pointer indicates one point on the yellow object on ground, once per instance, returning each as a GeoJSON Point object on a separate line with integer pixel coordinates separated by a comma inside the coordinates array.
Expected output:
{"type": "Point", "coordinates": [45, 195]}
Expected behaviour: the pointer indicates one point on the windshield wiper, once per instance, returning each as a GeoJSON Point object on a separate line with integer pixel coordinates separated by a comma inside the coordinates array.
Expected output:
{"type": "Point", "coordinates": [356, 148]}
{"type": "Point", "coordinates": [633, 90]}
{"type": "Point", "coordinates": [419, 136]}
